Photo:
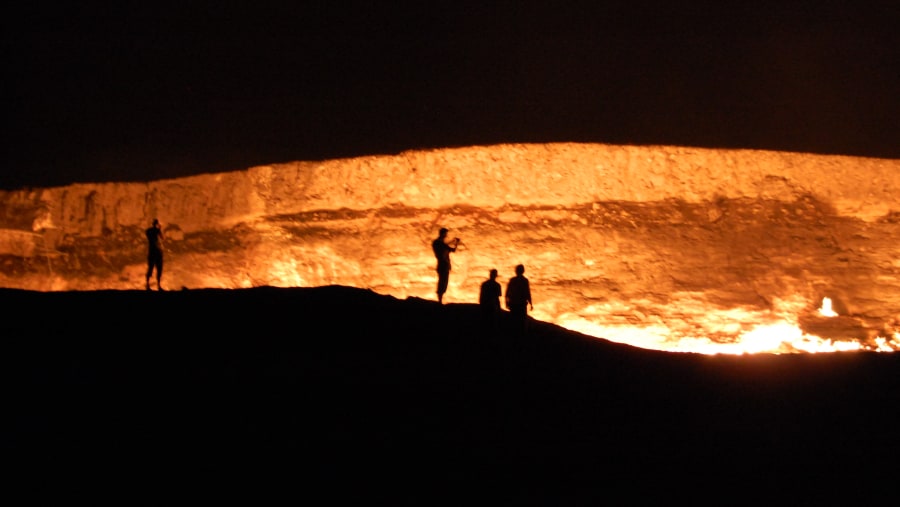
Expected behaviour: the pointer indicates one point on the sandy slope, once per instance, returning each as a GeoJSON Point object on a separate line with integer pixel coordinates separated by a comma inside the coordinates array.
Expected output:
{"type": "Point", "coordinates": [353, 395]}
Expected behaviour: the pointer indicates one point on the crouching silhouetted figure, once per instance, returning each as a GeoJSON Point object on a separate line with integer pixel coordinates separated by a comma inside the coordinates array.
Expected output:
{"type": "Point", "coordinates": [518, 300]}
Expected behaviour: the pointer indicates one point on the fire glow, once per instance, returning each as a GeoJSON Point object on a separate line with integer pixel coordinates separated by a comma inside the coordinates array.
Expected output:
{"type": "Point", "coordinates": [781, 335]}
{"type": "Point", "coordinates": [697, 329]}
{"type": "Point", "coordinates": [679, 249]}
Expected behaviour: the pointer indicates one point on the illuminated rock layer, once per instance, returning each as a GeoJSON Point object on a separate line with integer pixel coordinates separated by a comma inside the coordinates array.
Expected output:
{"type": "Point", "coordinates": [664, 247]}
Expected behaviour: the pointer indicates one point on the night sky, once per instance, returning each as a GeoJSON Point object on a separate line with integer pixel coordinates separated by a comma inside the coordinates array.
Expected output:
{"type": "Point", "coordinates": [136, 91]}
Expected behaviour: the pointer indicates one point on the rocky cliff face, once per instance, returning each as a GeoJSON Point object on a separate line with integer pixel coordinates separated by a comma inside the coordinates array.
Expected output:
{"type": "Point", "coordinates": [681, 243]}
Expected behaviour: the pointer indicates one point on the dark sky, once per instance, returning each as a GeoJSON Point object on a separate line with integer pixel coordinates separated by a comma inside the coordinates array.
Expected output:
{"type": "Point", "coordinates": [134, 91]}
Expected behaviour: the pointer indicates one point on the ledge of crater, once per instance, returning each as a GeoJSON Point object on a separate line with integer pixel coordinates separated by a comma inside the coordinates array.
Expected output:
{"type": "Point", "coordinates": [559, 174]}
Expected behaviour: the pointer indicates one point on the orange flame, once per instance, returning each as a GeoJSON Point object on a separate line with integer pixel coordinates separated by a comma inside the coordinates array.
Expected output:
{"type": "Point", "coordinates": [825, 310]}
{"type": "Point", "coordinates": [725, 333]}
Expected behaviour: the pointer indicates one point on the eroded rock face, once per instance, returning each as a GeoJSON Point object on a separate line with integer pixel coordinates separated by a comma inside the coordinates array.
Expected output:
{"type": "Point", "coordinates": [684, 243]}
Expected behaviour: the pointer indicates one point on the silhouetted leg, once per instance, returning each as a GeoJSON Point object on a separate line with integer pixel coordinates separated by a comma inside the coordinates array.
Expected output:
{"type": "Point", "coordinates": [443, 281]}
{"type": "Point", "coordinates": [517, 318]}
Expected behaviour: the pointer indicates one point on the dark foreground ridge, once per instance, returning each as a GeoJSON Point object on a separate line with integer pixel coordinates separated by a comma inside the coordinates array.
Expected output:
{"type": "Point", "coordinates": [346, 393]}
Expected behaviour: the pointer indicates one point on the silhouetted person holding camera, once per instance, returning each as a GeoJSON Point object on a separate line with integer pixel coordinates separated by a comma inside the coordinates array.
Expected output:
{"type": "Point", "coordinates": [442, 252]}
{"type": "Point", "coordinates": [518, 299]}
{"type": "Point", "coordinates": [489, 299]}
{"type": "Point", "coordinates": [155, 253]}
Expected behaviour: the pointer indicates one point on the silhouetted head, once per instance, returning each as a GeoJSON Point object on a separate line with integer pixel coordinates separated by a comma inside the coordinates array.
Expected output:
{"type": "Point", "coordinates": [520, 269]}
{"type": "Point", "coordinates": [443, 232]}
{"type": "Point", "coordinates": [493, 274]}
{"type": "Point", "coordinates": [155, 222]}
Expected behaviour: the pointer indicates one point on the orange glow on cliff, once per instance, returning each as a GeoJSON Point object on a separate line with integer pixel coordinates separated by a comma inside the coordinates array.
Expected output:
{"type": "Point", "coordinates": [671, 248]}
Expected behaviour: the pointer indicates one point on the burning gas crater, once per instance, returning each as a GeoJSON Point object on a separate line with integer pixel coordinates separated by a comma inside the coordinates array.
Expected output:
{"type": "Point", "coordinates": [662, 247]}
{"type": "Point", "coordinates": [687, 324]}
{"type": "Point", "coordinates": [680, 322]}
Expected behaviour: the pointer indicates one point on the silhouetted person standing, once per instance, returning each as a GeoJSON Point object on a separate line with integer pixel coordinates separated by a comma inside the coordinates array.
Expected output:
{"type": "Point", "coordinates": [489, 298]}
{"type": "Point", "coordinates": [518, 298]}
{"type": "Point", "coordinates": [442, 253]}
{"type": "Point", "coordinates": [155, 253]}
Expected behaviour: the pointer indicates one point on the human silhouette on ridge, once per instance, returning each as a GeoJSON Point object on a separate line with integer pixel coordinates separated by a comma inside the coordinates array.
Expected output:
{"type": "Point", "coordinates": [518, 299]}
{"type": "Point", "coordinates": [155, 239]}
{"type": "Point", "coordinates": [442, 251]}
{"type": "Point", "coordinates": [489, 299]}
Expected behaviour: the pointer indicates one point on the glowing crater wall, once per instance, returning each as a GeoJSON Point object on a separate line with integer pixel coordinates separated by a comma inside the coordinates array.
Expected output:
{"type": "Point", "coordinates": [664, 247]}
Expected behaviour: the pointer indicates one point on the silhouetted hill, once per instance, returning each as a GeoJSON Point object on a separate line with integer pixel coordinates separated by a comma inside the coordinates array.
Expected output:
{"type": "Point", "coordinates": [344, 395]}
